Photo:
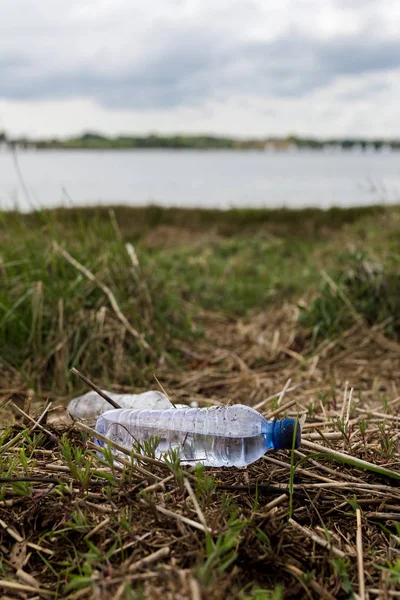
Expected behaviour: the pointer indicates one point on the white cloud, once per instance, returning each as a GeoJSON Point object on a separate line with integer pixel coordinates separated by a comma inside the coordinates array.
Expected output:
{"type": "Point", "coordinates": [240, 67]}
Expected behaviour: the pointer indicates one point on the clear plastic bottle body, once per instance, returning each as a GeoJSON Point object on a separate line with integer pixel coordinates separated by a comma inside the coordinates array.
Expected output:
{"type": "Point", "coordinates": [217, 436]}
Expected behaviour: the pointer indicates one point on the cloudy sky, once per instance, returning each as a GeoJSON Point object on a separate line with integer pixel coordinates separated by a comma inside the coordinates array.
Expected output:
{"type": "Point", "coordinates": [238, 67]}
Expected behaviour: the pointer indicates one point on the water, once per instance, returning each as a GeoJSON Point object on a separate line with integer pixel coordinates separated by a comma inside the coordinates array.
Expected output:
{"type": "Point", "coordinates": [189, 178]}
{"type": "Point", "coordinates": [219, 436]}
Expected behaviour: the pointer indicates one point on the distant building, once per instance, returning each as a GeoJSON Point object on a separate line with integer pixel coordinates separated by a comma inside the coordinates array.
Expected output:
{"type": "Point", "coordinates": [278, 146]}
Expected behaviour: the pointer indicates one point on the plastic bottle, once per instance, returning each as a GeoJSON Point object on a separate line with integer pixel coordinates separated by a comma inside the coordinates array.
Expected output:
{"type": "Point", "coordinates": [91, 405]}
{"type": "Point", "coordinates": [220, 436]}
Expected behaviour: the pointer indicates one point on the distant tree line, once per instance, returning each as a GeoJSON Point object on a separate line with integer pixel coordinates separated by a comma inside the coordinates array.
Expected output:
{"type": "Point", "coordinates": [94, 140]}
{"type": "Point", "coordinates": [345, 143]}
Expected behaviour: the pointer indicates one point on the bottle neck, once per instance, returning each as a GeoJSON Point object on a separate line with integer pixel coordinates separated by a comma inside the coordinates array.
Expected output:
{"type": "Point", "coordinates": [268, 433]}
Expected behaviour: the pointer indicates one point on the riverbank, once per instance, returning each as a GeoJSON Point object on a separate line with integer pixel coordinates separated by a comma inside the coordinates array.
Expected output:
{"type": "Point", "coordinates": [96, 141]}
{"type": "Point", "coordinates": [135, 222]}
{"type": "Point", "coordinates": [237, 306]}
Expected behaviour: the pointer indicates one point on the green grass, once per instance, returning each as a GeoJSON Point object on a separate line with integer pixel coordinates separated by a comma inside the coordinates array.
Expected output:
{"type": "Point", "coordinates": [362, 287]}
{"type": "Point", "coordinates": [51, 314]}
{"type": "Point", "coordinates": [53, 318]}
{"type": "Point", "coordinates": [237, 274]}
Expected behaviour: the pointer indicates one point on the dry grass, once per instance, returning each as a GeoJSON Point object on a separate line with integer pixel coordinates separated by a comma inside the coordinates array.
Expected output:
{"type": "Point", "coordinates": [326, 529]}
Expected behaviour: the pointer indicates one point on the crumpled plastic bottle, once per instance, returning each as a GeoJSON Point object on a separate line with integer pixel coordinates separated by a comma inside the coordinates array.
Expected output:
{"type": "Point", "coordinates": [91, 405]}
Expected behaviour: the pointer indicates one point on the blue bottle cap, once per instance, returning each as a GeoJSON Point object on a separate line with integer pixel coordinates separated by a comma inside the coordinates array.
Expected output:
{"type": "Point", "coordinates": [283, 433]}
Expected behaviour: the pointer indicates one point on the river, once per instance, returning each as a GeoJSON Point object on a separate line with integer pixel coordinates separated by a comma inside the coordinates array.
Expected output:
{"type": "Point", "coordinates": [190, 178]}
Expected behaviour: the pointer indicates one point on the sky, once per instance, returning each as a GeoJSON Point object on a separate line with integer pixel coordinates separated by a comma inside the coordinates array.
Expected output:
{"type": "Point", "coordinates": [229, 67]}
